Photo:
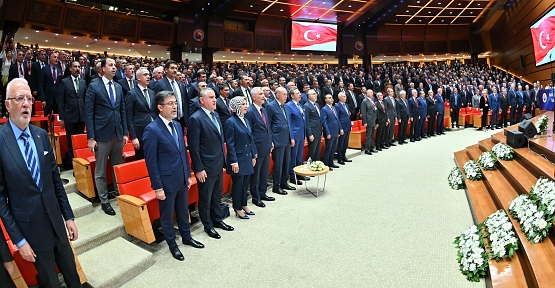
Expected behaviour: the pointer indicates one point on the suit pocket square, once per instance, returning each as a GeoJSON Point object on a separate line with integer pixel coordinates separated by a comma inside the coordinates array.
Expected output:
{"type": "Point", "coordinates": [45, 152]}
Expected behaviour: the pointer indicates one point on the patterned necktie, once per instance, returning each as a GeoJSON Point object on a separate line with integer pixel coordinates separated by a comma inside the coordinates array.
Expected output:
{"type": "Point", "coordinates": [112, 96]}
{"type": "Point", "coordinates": [147, 97]}
{"type": "Point", "coordinates": [263, 116]}
{"type": "Point", "coordinates": [32, 163]}
{"type": "Point", "coordinates": [179, 111]}
{"type": "Point", "coordinates": [174, 134]}
{"type": "Point", "coordinates": [77, 86]}
{"type": "Point", "coordinates": [21, 71]}
{"type": "Point", "coordinates": [213, 116]}
{"type": "Point", "coordinates": [316, 106]}
{"type": "Point", "coordinates": [131, 84]}
{"type": "Point", "coordinates": [54, 74]}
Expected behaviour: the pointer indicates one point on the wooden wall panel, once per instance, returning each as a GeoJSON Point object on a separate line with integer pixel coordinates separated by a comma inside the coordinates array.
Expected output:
{"type": "Point", "coordinates": [270, 33]}
{"type": "Point", "coordinates": [120, 26]}
{"type": "Point", "coordinates": [238, 40]}
{"type": "Point", "coordinates": [157, 31]}
{"type": "Point", "coordinates": [390, 33]}
{"type": "Point", "coordinates": [83, 20]}
{"type": "Point", "coordinates": [414, 33]}
{"type": "Point", "coordinates": [511, 38]}
{"type": "Point", "coordinates": [216, 31]}
{"type": "Point", "coordinates": [14, 10]}
{"type": "Point", "coordinates": [45, 13]}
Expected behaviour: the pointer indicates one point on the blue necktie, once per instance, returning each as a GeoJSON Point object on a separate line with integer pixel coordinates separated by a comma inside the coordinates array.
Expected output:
{"type": "Point", "coordinates": [32, 163]}
{"type": "Point", "coordinates": [215, 121]}
{"type": "Point", "coordinates": [54, 74]}
{"type": "Point", "coordinates": [112, 96]}
{"type": "Point", "coordinates": [174, 134]}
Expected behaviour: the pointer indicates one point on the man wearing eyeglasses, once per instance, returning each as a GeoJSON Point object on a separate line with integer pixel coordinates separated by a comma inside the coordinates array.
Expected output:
{"type": "Point", "coordinates": [33, 203]}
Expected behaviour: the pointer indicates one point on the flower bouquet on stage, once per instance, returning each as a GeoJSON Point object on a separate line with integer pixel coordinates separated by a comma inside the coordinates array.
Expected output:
{"type": "Point", "coordinates": [317, 166]}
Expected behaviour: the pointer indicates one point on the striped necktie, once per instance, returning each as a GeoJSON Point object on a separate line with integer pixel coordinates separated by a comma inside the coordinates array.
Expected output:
{"type": "Point", "coordinates": [32, 163]}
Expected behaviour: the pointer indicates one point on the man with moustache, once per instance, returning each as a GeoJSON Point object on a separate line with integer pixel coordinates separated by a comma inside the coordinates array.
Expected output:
{"type": "Point", "coordinates": [170, 83]}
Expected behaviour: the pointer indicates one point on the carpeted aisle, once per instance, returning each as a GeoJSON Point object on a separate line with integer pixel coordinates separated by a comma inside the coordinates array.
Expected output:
{"type": "Point", "coordinates": [386, 220]}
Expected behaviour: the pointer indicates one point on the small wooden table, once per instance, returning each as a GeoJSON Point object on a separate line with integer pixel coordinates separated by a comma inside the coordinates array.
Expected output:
{"type": "Point", "coordinates": [303, 170]}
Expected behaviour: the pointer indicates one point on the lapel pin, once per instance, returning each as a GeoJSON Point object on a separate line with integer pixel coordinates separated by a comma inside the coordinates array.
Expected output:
{"type": "Point", "coordinates": [38, 136]}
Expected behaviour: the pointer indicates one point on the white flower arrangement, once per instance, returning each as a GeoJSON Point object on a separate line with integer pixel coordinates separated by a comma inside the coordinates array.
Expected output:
{"type": "Point", "coordinates": [543, 195]}
{"type": "Point", "coordinates": [472, 170]}
{"type": "Point", "coordinates": [533, 222]}
{"type": "Point", "coordinates": [471, 254]}
{"type": "Point", "coordinates": [541, 124]}
{"type": "Point", "coordinates": [487, 160]}
{"type": "Point", "coordinates": [502, 238]}
{"type": "Point", "coordinates": [503, 151]}
{"type": "Point", "coordinates": [456, 179]}
{"type": "Point", "coordinates": [317, 166]}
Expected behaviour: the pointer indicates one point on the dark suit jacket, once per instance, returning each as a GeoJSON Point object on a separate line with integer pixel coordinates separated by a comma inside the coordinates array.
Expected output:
{"type": "Point", "coordinates": [382, 116]}
{"type": "Point", "coordinates": [28, 211]}
{"type": "Point", "coordinates": [125, 85]}
{"type": "Point", "coordinates": [368, 113]}
{"type": "Point", "coordinates": [503, 101]}
{"type": "Point", "coordinates": [403, 111]}
{"type": "Point", "coordinates": [413, 109]}
{"type": "Point", "coordinates": [165, 85]}
{"type": "Point", "coordinates": [206, 145]}
{"type": "Point", "coordinates": [241, 148]}
{"type": "Point", "coordinates": [325, 91]}
{"type": "Point", "coordinates": [440, 107]}
{"type": "Point", "coordinates": [313, 122]}
{"type": "Point", "coordinates": [72, 105]}
{"type": "Point", "coordinates": [452, 101]}
{"type": "Point", "coordinates": [260, 131]}
{"type": "Point", "coordinates": [390, 109]}
{"type": "Point", "coordinates": [36, 74]}
{"type": "Point", "coordinates": [422, 108]}
{"type": "Point", "coordinates": [330, 122]}
{"type": "Point", "coordinates": [14, 71]}
{"type": "Point", "coordinates": [48, 90]}
{"type": "Point", "coordinates": [167, 164]}
{"type": "Point", "coordinates": [139, 113]}
{"type": "Point", "coordinates": [344, 116]}
{"type": "Point", "coordinates": [222, 110]}
{"type": "Point", "coordinates": [279, 125]}
{"type": "Point", "coordinates": [296, 121]}
{"type": "Point", "coordinates": [512, 98]}
{"type": "Point", "coordinates": [194, 105]}
{"type": "Point", "coordinates": [103, 118]}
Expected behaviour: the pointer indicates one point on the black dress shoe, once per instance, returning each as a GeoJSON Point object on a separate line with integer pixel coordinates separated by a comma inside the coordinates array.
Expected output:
{"type": "Point", "coordinates": [374, 151]}
{"type": "Point", "coordinates": [379, 149]}
{"type": "Point", "coordinates": [385, 147]}
{"type": "Point", "coordinates": [401, 143]}
{"type": "Point", "coordinates": [347, 160]}
{"type": "Point", "coordinates": [331, 169]}
{"type": "Point", "coordinates": [392, 144]}
{"type": "Point", "coordinates": [107, 208]}
{"type": "Point", "coordinates": [259, 203]}
{"type": "Point", "coordinates": [279, 191]}
{"type": "Point", "coordinates": [298, 181]}
{"type": "Point", "coordinates": [288, 187]}
{"type": "Point", "coordinates": [241, 217]}
{"type": "Point", "coordinates": [212, 233]}
{"type": "Point", "coordinates": [223, 226]}
{"type": "Point", "coordinates": [367, 152]}
{"type": "Point", "coordinates": [340, 162]}
{"type": "Point", "coordinates": [194, 243]}
{"type": "Point", "coordinates": [177, 254]}
{"type": "Point", "coordinates": [267, 198]}
{"type": "Point", "coordinates": [412, 140]}
{"type": "Point", "coordinates": [305, 178]}
{"type": "Point", "coordinates": [424, 137]}
{"type": "Point", "coordinates": [334, 166]}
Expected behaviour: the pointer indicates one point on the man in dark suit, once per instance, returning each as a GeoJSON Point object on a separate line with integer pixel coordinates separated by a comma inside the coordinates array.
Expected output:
{"type": "Point", "coordinates": [106, 127]}
{"type": "Point", "coordinates": [71, 103]}
{"type": "Point", "coordinates": [325, 91]}
{"type": "Point", "coordinates": [140, 110]}
{"type": "Point", "coordinates": [18, 69]}
{"type": "Point", "coordinates": [170, 83]}
{"type": "Point", "coordinates": [127, 83]}
{"type": "Point", "coordinates": [455, 101]}
{"type": "Point", "coordinates": [503, 105]}
{"type": "Point", "coordinates": [432, 113]}
{"type": "Point", "coordinates": [49, 85]}
{"type": "Point", "coordinates": [168, 168]}
{"type": "Point", "coordinates": [382, 124]}
{"type": "Point", "coordinates": [403, 115]}
{"type": "Point", "coordinates": [193, 89]}
{"type": "Point", "coordinates": [33, 202]}
{"type": "Point", "coordinates": [352, 102]}
{"type": "Point", "coordinates": [414, 117]}
{"type": "Point", "coordinates": [332, 130]}
{"type": "Point", "coordinates": [440, 108]}
{"type": "Point", "coordinates": [528, 99]}
{"type": "Point", "coordinates": [85, 71]}
{"type": "Point", "coordinates": [279, 127]}
{"type": "Point", "coordinates": [369, 114]}
{"type": "Point", "coordinates": [512, 99]}
{"type": "Point", "coordinates": [344, 116]}
{"type": "Point", "coordinates": [120, 69]}
{"type": "Point", "coordinates": [222, 104]}
{"type": "Point", "coordinates": [494, 106]}
{"type": "Point", "coordinates": [256, 114]}
{"type": "Point", "coordinates": [297, 129]}
{"type": "Point", "coordinates": [313, 125]}
{"type": "Point", "coordinates": [378, 84]}
{"type": "Point", "coordinates": [37, 72]}
{"type": "Point", "coordinates": [243, 89]}
{"type": "Point", "coordinates": [206, 146]}
{"type": "Point", "coordinates": [423, 115]}
{"type": "Point", "coordinates": [340, 89]}
{"type": "Point", "coordinates": [391, 109]}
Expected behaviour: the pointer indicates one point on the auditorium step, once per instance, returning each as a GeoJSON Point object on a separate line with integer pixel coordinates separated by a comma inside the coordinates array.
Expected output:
{"type": "Point", "coordinates": [70, 187]}
{"type": "Point", "coordinates": [79, 205]}
{"type": "Point", "coordinates": [97, 228]}
{"type": "Point", "coordinates": [114, 263]}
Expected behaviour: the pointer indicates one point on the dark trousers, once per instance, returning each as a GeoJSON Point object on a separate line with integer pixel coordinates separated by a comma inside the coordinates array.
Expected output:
{"type": "Point", "coordinates": [380, 138]}
{"type": "Point", "coordinates": [296, 157]}
{"type": "Point", "coordinates": [5, 278]}
{"type": "Point", "coordinates": [61, 256]}
{"type": "Point", "coordinates": [139, 154]}
{"type": "Point", "coordinates": [519, 113]}
{"type": "Point", "coordinates": [331, 146]}
{"type": "Point", "coordinates": [72, 129]}
{"type": "Point", "coordinates": [175, 202]}
{"type": "Point", "coordinates": [440, 123]}
{"type": "Point", "coordinates": [485, 118]}
{"type": "Point", "coordinates": [390, 131]}
{"type": "Point", "coordinates": [259, 180]}
{"type": "Point", "coordinates": [402, 130]}
{"type": "Point", "coordinates": [51, 107]}
{"type": "Point", "coordinates": [513, 114]}
{"type": "Point", "coordinates": [431, 125]}
{"type": "Point", "coordinates": [494, 118]}
{"type": "Point", "coordinates": [422, 130]}
{"type": "Point", "coordinates": [239, 191]}
{"type": "Point", "coordinates": [529, 109]}
{"type": "Point", "coordinates": [210, 199]}
{"type": "Point", "coordinates": [369, 137]}
{"type": "Point", "coordinates": [281, 157]}
{"type": "Point", "coordinates": [414, 128]}
{"type": "Point", "coordinates": [503, 117]}
{"type": "Point", "coordinates": [314, 148]}
{"type": "Point", "coordinates": [342, 144]}
{"type": "Point", "coordinates": [455, 116]}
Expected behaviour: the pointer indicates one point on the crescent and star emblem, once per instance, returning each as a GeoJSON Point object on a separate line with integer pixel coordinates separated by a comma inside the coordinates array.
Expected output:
{"type": "Point", "coordinates": [541, 44]}
{"type": "Point", "coordinates": [318, 36]}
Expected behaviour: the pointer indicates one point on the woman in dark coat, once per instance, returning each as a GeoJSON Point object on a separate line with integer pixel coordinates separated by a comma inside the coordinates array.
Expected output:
{"type": "Point", "coordinates": [484, 107]}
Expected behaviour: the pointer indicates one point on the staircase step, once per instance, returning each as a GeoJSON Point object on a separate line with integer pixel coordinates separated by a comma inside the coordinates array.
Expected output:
{"type": "Point", "coordinates": [70, 187]}
{"type": "Point", "coordinates": [80, 205]}
{"type": "Point", "coordinates": [97, 228]}
{"type": "Point", "coordinates": [114, 263]}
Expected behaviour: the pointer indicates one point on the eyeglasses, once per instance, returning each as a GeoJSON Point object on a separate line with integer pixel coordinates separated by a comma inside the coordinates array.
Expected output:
{"type": "Point", "coordinates": [20, 99]}
{"type": "Point", "coordinates": [170, 103]}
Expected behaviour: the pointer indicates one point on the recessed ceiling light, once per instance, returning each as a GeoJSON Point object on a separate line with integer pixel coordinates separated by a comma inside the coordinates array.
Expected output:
{"type": "Point", "coordinates": [258, 57]}
{"type": "Point", "coordinates": [417, 2]}
{"type": "Point", "coordinates": [479, 4]}
{"type": "Point", "coordinates": [249, 53]}
{"type": "Point", "coordinates": [148, 52]}
{"type": "Point", "coordinates": [132, 44]}
{"type": "Point", "coordinates": [280, 10]}
{"type": "Point", "coordinates": [420, 20]}
{"type": "Point", "coordinates": [148, 45]}
{"type": "Point", "coordinates": [116, 42]}
{"type": "Point", "coordinates": [309, 13]}
{"type": "Point", "coordinates": [291, 58]}
{"type": "Point", "coordinates": [74, 37]}
{"type": "Point", "coordinates": [168, 53]}
{"type": "Point", "coordinates": [442, 20]}
{"type": "Point", "coordinates": [429, 12]}
{"type": "Point", "coordinates": [241, 57]}
{"type": "Point", "coordinates": [471, 12]}
{"type": "Point", "coordinates": [324, 59]}
{"type": "Point", "coordinates": [308, 58]}
{"type": "Point", "coordinates": [108, 47]}
{"type": "Point", "coordinates": [223, 56]}
{"type": "Point", "coordinates": [232, 51]}
{"type": "Point", "coordinates": [67, 43]}
{"type": "Point", "coordinates": [407, 11]}
{"type": "Point", "coordinates": [54, 34]}
{"type": "Point", "coordinates": [349, 6]}
{"type": "Point", "coordinates": [26, 37]}
{"type": "Point", "coordinates": [459, 4]}
{"type": "Point", "coordinates": [439, 3]}
{"type": "Point", "coordinates": [46, 40]}
{"type": "Point", "coordinates": [129, 49]}
{"type": "Point", "coordinates": [451, 12]}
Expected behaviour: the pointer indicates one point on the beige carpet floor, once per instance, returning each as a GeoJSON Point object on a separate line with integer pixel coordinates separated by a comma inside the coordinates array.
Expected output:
{"type": "Point", "coordinates": [386, 220]}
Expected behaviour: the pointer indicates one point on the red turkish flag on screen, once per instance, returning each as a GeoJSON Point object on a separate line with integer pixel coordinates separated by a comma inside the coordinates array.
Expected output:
{"type": "Point", "coordinates": [308, 35]}
{"type": "Point", "coordinates": [544, 38]}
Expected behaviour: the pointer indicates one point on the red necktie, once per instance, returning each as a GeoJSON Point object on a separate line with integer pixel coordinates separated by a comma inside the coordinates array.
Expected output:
{"type": "Point", "coordinates": [263, 116]}
{"type": "Point", "coordinates": [333, 111]}
{"type": "Point", "coordinates": [29, 70]}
